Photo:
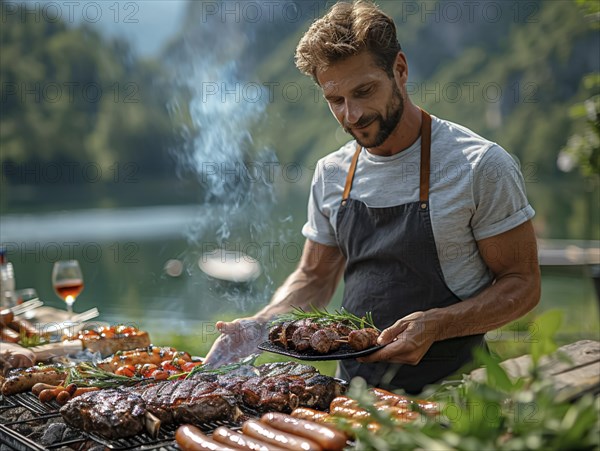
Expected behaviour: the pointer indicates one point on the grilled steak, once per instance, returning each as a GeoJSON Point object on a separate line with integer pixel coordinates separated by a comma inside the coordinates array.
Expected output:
{"type": "Point", "coordinates": [111, 414]}
{"type": "Point", "coordinates": [278, 387]}
{"type": "Point", "coordinates": [119, 413]}
{"type": "Point", "coordinates": [193, 401]}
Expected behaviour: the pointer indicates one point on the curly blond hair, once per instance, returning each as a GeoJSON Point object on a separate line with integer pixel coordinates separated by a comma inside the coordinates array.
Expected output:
{"type": "Point", "coordinates": [346, 30]}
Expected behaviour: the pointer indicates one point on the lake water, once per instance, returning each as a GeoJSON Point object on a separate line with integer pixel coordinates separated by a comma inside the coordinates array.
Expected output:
{"type": "Point", "coordinates": [123, 255]}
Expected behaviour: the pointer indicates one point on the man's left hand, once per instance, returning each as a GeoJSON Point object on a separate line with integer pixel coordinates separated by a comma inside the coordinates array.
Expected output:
{"type": "Point", "coordinates": [406, 341]}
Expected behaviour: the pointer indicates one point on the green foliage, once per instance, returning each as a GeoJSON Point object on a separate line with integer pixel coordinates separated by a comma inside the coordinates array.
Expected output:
{"type": "Point", "coordinates": [499, 413]}
{"type": "Point", "coordinates": [512, 81]}
{"type": "Point", "coordinates": [71, 98]}
{"type": "Point", "coordinates": [518, 78]}
{"type": "Point", "coordinates": [546, 327]}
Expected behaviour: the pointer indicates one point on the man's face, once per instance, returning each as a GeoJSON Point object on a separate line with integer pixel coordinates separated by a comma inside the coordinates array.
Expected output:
{"type": "Point", "coordinates": [363, 98]}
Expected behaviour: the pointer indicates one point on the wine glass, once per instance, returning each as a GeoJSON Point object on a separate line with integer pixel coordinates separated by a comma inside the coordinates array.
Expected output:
{"type": "Point", "coordinates": [67, 281]}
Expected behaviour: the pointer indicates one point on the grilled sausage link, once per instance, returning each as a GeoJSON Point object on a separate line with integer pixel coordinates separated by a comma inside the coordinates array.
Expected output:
{"type": "Point", "coordinates": [239, 441]}
{"type": "Point", "coordinates": [6, 316]}
{"type": "Point", "coordinates": [278, 438]}
{"type": "Point", "coordinates": [429, 408]}
{"type": "Point", "coordinates": [7, 334]}
{"type": "Point", "coordinates": [24, 380]}
{"type": "Point", "coordinates": [190, 438]}
{"type": "Point", "coordinates": [326, 437]}
{"type": "Point", "coordinates": [23, 326]}
{"type": "Point", "coordinates": [305, 413]}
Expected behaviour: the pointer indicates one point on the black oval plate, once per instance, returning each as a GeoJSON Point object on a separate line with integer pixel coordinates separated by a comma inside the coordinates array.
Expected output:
{"type": "Point", "coordinates": [345, 352]}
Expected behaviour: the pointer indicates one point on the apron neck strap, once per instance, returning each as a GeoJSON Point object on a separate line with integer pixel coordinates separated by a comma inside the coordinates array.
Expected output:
{"type": "Point", "coordinates": [425, 156]}
{"type": "Point", "coordinates": [425, 161]}
{"type": "Point", "coordinates": [350, 176]}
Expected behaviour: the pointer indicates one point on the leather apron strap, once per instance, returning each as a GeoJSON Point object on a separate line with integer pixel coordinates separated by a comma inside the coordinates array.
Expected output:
{"type": "Point", "coordinates": [425, 163]}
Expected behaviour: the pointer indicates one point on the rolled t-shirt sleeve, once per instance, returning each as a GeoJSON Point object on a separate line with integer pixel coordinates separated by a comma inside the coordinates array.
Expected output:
{"type": "Point", "coordinates": [318, 228]}
{"type": "Point", "coordinates": [499, 195]}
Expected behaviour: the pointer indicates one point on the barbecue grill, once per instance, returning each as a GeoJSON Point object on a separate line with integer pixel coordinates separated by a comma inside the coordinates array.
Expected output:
{"type": "Point", "coordinates": [25, 421]}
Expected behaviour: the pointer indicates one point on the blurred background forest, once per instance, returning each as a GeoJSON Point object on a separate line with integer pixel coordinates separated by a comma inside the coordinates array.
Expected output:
{"type": "Point", "coordinates": [131, 133]}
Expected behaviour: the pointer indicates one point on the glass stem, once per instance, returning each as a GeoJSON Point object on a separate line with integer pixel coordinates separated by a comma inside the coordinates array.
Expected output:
{"type": "Point", "coordinates": [70, 308]}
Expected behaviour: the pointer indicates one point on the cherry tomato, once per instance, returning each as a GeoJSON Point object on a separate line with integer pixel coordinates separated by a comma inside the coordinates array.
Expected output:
{"type": "Point", "coordinates": [179, 362]}
{"type": "Point", "coordinates": [147, 369]}
{"type": "Point", "coordinates": [127, 370]}
{"type": "Point", "coordinates": [168, 366]}
{"type": "Point", "coordinates": [160, 375]}
{"type": "Point", "coordinates": [188, 366]}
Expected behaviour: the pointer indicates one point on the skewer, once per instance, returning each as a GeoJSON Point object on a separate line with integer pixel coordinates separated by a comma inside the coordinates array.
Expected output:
{"type": "Point", "coordinates": [26, 306]}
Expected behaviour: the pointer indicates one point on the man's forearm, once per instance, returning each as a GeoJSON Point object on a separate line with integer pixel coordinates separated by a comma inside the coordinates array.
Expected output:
{"type": "Point", "coordinates": [507, 300]}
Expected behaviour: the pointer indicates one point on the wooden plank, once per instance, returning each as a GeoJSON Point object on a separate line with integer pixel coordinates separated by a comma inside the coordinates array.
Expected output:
{"type": "Point", "coordinates": [574, 369]}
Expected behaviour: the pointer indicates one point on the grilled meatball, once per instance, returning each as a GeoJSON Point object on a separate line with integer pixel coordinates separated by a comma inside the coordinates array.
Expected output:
{"type": "Point", "coordinates": [275, 334]}
{"type": "Point", "coordinates": [342, 329]}
{"type": "Point", "coordinates": [324, 341]}
{"type": "Point", "coordinates": [301, 337]}
{"type": "Point", "coordinates": [362, 338]}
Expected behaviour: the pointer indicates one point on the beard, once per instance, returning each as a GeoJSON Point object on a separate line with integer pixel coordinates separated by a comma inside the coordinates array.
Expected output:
{"type": "Point", "coordinates": [387, 124]}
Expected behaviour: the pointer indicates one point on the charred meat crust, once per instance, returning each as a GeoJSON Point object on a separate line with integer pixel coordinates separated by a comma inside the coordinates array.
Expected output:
{"type": "Point", "coordinates": [112, 414]}
{"type": "Point", "coordinates": [279, 387]}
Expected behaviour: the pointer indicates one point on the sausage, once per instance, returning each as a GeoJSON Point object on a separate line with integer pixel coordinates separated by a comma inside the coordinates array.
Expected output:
{"type": "Point", "coordinates": [81, 390]}
{"type": "Point", "coordinates": [311, 414]}
{"type": "Point", "coordinates": [51, 393]}
{"type": "Point", "coordinates": [278, 438]}
{"type": "Point", "coordinates": [239, 441]}
{"type": "Point", "coordinates": [63, 397]}
{"type": "Point", "coordinates": [24, 380]}
{"type": "Point", "coordinates": [429, 408]}
{"type": "Point", "coordinates": [6, 316]}
{"type": "Point", "coordinates": [355, 413]}
{"type": "Point", "coordinates": [23, 326]}
{"type": "Point", "coordinates": [343, 401]}
{"type": "Point", "coordinates": [326, 437]}
{"type": "Point", "coordinates": [39, 387]}
{"type": "Point", "coordinates": [7, 334]}
{"type": "Point", "coordinates": [348, 408]}
{"type": "Point", "coordinates": [190, 438]}
{"type": "Point", "coordinates": [391, 399]}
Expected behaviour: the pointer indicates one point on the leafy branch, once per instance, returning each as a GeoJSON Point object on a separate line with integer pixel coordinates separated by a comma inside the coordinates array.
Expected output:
{"type": "Point", "coordinates": [325, 317]}
{"type": "Point", "coordinates": [496, 412]}
{"type": "Point", "coordinates": [207, 369]}
{"type": "Point", "coordinates": [89, 375]}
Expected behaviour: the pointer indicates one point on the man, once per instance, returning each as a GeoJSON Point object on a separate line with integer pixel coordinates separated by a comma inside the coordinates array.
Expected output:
{"type": "Point", "coordinates": [427, 221]}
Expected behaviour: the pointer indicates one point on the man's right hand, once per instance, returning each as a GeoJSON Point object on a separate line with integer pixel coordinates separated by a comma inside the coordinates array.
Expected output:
{"type": "Point", "coordinates": [238, 339]}
{"type": "Point", "coordinates": [311, 284]}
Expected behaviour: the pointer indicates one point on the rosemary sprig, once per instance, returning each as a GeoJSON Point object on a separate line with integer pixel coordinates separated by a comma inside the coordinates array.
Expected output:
{"type": "Point", "coordinates": [207, 369]}
{"type": "Point", "coordinates": [325, 317]}
{"type": "Point", "coordinates": [34, 340]}
{"type": "Point", "coordinates": [89, 375]}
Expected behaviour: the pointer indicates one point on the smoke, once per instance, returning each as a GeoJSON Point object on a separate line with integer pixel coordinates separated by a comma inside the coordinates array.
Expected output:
{"type": "Point", "coordinates": [221, 107]}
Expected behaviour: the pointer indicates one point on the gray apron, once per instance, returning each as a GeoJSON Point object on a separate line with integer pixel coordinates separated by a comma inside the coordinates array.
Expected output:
{"type": "Point", "coordinates": [392, 270]}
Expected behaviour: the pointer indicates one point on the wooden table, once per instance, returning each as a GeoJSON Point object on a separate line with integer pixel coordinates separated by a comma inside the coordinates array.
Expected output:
{"type": "Point", "coordinates": [572, 377]}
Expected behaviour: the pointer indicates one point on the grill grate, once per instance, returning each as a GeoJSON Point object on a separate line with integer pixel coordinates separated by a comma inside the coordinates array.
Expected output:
{"type": "Point", "coordinates": [5, 404]}
{"type": "Point", "coordinates": [33, 404]}
{"type": "Point", "coordinates": [165, 441]}
{"type": "Point", "coordinates": [166, 436]}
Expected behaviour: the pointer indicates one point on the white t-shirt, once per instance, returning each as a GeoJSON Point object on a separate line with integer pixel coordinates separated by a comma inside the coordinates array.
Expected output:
{"type": "Point", "coordinates": [476, 191]}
